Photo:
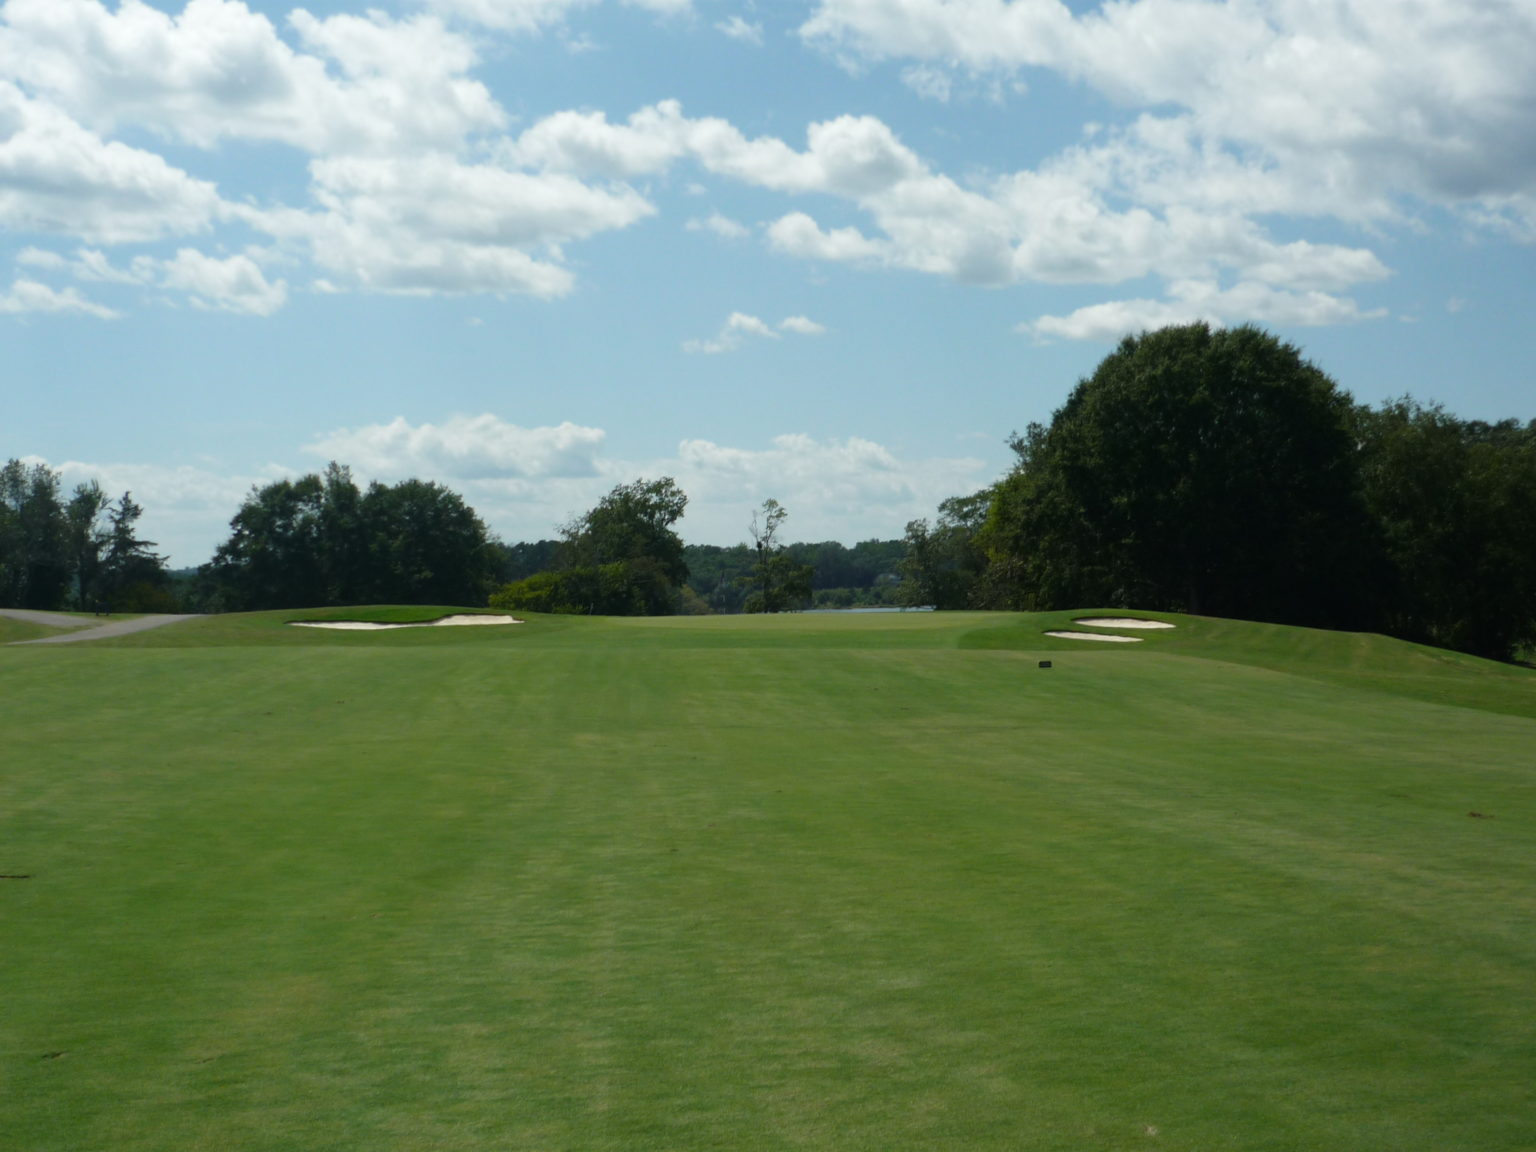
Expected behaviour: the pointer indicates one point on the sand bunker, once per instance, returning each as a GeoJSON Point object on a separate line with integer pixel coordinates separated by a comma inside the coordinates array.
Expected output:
{"type": "Point", "coordinates": [368, 626]}
{"type": "Point", "coordinates": [1121, 622]}
{"type": "Point", "coordinates": [1096, 636]}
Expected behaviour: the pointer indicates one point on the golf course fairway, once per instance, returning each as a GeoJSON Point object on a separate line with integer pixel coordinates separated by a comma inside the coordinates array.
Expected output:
{"type": "Point", "coordinates": [852, 882]}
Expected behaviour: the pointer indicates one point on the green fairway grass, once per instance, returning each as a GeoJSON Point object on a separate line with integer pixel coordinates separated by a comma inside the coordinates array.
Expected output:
{"type": "Point", "coordinates": [870, 882]}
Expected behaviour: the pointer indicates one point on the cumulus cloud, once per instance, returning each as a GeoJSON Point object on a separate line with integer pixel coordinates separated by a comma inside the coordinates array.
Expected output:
{"type": "Point", "coordinates": [224, 284]}
{"type": "Point", "coordinates": [1346, 103]}
{"type": "Point", "coordinates": [386, 108]}
{"type": "Point", "coordinates": [232, 284]}
{"type": "Point", "coordinates": [840, 489]}
{"type": "Point", "coordinates": [413, 189]}
{"type": "Point", "coordinates": [738, 28]}
{"type": "Point", "coordinates": [802, 326]}
{"type": "Point", "coordinates": [434, 224]}
{"type": "Point", "coordinates": [1074, 219]}
{"type": "Point", "coordinates": [929, 82]}
{"type": "Point", "coordinates": [722, 226]}
{"type": "Point", "coordinates": [464, 447]}
{"type": "Point", "coordinates": [28, 296]}
{"type": "Point", "coordinates": [1192, 300]}
{"type": "Point", "coordinates": [56, 176]}
{"type": "Point", "coordinates": [534, 15]}
{"type": "Point", "coordinates": [739, 326]}
{"type": "Point", "coordinates": [219, 71]}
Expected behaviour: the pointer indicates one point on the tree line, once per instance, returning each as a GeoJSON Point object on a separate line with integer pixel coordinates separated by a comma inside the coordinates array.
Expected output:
{"type": "Point", "coordinates": [624, 558]}
{"type": "Point", "coordinates": [321, 540]}
{"type": "Point", "coordinates": [1211, 472]}
{"type": "Point", "coordinates": [1221, 473]}
{"type": "Point", "coordinates": [80, 552]}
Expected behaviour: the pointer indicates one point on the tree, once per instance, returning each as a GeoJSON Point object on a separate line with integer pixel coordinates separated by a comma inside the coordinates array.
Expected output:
{"type": "Point", "coordinates": [1455, 506]}
{"type": "Point", "coordinates": [622, 558]}
{"type": "Point", "coordinates": [944, 562]}
{"type": "Point", "coordinates": [130, 577]}
{"type": "Point", "coordinates": [1198, 470]}
{"type": "Point", "coordinates": [319, 541]}
{"type": "Point", "coordinates": [425, 545]}
{"type": "Point", "coordinates": [272, 558]}
{"type": "Point", "coordinates": [35, 566]}
{"type": "Point", "coordinates": [781, 582]}
{"type": "Point", "coordinates": [88, 539]}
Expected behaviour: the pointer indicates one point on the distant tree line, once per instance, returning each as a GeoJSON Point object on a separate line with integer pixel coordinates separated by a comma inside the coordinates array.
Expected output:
{"type": "Point", "coordinates": [1218, 472]}
{"type": "Point", "coordinates": [867, 574]}
{"type": "Point", "coordinates": [624, 558]}
{"type": "Point", "coordinates": [81, 552]}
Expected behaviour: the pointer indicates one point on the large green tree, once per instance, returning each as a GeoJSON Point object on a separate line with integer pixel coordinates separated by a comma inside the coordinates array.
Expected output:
{"type": "Point", "coordinates": [1207, 471]}
{"type": "Point", "coordinates": [620, 558]}
{"type": "Point", "coordinates": [80, 553]}
{"type": "Point", "coordinates": [1455, 506]}
{"type": "Point", "coordinates": [319, 540]}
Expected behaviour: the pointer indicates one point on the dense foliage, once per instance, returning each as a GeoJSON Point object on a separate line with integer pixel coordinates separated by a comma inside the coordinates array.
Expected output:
{"type": "Point", "coordinates": [622, 558]}
{"type": "Point", "coordinates": [1453, 504]}
{"type": "Point", "coordinates": [320, 540]}
{"type": "Point", "coordinates": [1218, 472]}
{"type": "Point", "coordinates": [80, 553]}
{"type": "Point", "coordinates": [841, 577]}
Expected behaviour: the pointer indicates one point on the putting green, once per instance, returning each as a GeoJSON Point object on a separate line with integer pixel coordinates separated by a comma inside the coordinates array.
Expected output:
{"type": "Point", "coordinates": [874, 882]}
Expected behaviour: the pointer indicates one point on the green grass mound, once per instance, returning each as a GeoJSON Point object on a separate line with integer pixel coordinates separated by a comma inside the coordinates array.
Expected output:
{"type": "Point", "coordinates": [863, 882]}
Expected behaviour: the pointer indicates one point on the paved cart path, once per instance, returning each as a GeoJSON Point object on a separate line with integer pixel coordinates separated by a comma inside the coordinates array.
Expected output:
{"type": "Point", "coordinates": [83, 629]}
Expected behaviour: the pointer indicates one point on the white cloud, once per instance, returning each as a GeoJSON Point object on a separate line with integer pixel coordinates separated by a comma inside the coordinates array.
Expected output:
{"type": "Point", "coordinates": [432, 224]}
{"type": "Point", "coordinates": [533, 15]}
{"type": "Point", "coordinates": [28, 296]}
{"type": "Point", "coordinates": [736, 327]}
{"type": "Point", "coordinates": [218, 71]}
{"type": "Point", "coordinates": [722, 226]}
{"type": "Point", "coordinates": [739, 29]}
{"type": "Point", "coordinates": [840, 489]}
{"type": "Point", "coordinates": [55, 176]}
{"type": "Point", "coordinates": [1192, 300]}
{"type": "Point", "coordinates": [465, 448]}
{"type": "Point", "coordinates": [233, 284]}
{"type": "Point", "coordinates": [929, 82]}
{"type": "Point", "coordinates": [413, 191]}
{"type": "Point", "coordinates": [1355, 104]}
{"type": "Point", "coordinates": [229, 284]}
{"type": "Point", "coordinates": [739, 326]}
{"type": "Point", "coordinates": [847, 156]}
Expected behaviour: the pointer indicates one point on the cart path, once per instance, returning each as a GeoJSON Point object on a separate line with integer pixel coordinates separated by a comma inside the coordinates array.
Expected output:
{"type": "Point", "coordinates": [83, 629]}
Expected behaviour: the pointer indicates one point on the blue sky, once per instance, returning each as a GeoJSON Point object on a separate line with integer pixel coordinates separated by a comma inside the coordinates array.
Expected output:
{"type": "Point", "coordinates": [829, 252]}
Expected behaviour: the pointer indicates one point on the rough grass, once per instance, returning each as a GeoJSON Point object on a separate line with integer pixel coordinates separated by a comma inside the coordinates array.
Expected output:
{"type": "Point", "coordinates": [865, 882]}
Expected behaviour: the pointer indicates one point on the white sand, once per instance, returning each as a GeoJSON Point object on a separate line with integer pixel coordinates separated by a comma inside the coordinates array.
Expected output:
{"type": "Point", "coordinates": [1121, 622]}
{"type": "Point", "coordinates": [1096, 636]}
{"type": "Point", "coordinates": [366, 626]}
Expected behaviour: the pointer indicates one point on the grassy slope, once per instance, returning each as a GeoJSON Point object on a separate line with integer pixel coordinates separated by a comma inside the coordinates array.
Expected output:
{"type": "Point", "coordinates": [808, 882]}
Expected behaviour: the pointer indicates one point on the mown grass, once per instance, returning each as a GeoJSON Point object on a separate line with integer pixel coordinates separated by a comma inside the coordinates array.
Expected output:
{"type": "Point", "coordinates": [867, 882]}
